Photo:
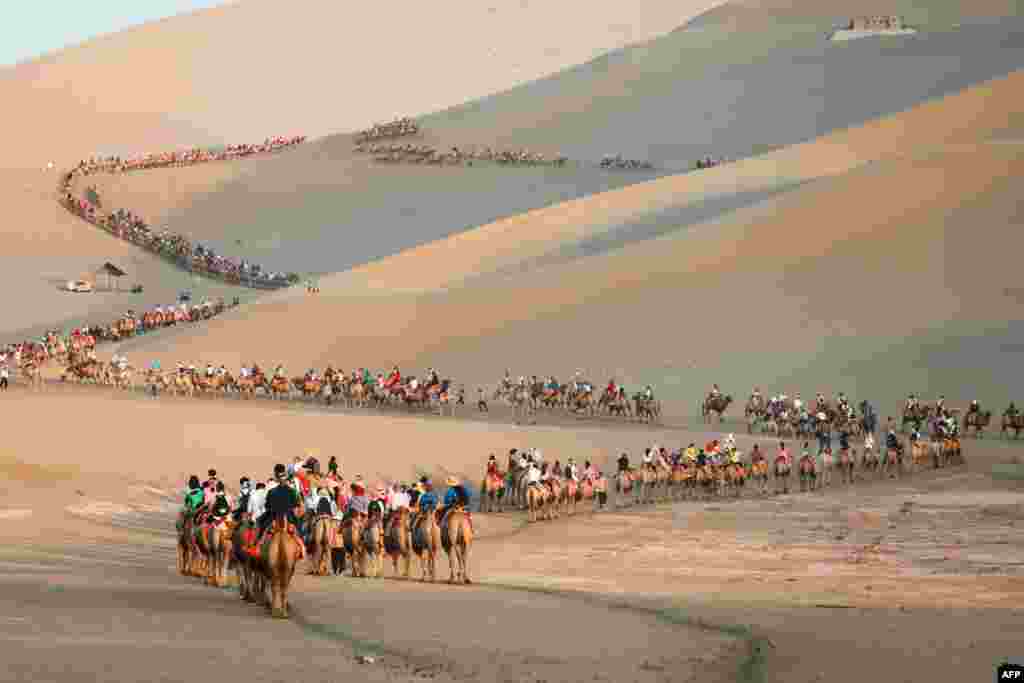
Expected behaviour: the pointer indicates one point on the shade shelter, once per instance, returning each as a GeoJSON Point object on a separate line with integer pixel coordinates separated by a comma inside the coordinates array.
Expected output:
{"type": "Point", "coordinates": [113, 274]}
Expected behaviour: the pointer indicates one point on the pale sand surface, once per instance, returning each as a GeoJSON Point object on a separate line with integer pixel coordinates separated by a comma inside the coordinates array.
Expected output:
{"type": "Point", "coordinates": [923, 571]}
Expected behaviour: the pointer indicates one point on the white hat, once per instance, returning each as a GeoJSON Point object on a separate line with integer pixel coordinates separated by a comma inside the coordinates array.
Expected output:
{"type": "Point", "coordinates": [821, 416]}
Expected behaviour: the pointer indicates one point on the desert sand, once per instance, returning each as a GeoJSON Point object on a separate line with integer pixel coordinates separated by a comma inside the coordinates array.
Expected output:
{"type": "Point", "coordinates": [863, 241]}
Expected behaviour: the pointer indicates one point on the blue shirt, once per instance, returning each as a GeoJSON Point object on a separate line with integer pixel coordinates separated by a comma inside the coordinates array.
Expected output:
{"type": "Point", "coordinates": [428, 500]}
{"type": "Point", "coordinates": [451, 497]}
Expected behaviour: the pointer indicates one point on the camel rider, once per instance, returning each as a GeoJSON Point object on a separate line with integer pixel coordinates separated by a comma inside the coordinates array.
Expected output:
{"type": "Point", "coordinates": [414, 384]}
{"type": "Point", "coordinates": [154, 366]}
{"type": "Point", "coordinates": [278, 372]}
{"type": "Point", "coordinates": [571, 471]}
{"type": "Point", "coordinates": [623, 463]}
{"type": "Point", "coordinates": [533, 475]}
{"type": "Point", "coordinates": [798, 403]}
{"type": "Point", "coordinates": [756, 455]}
{"type": "Point", "coordinates": [892, 443]}
{"type": "Point", "coordinates": [911, 402]}
{"type": "Point", "coordinates": [1011, 412]}
{"type": "Point", "coordinates": [243, 372]}
{"type": "Point", "coordinates": [975, 407]}
{"type": "Point", "coordinates": [455, 496]}
{"type": "Point", "coordinates": [715, 392]}
{"type": "Point", "coordinates": [281, 500]}
{"type": "Point", "coordinates": [843, 404]}
{"type": "Point", "coordinates": [952, 427]}
{"type": "Point", "coordinates": [844, 440]}
{"type": "Point", "coordinates": [209, 371]}
{"type": "Point", "coordinates": [325, 505]}
{"type": "Point", "coordinates": [611, 389]}
{"type": "Point", "coordinates": [730, 443]}
{"type": "Point", "coordinates": [524, 462]}
{"type": "Point", "coordinates": [193, 495]}
{"type": "Point", "coordinates": [425, 501]}
{"type": "Point", "coordinates": [819, 400]}
{"type": "Point", "coordinates": [869, 442]}
{"type": "Point", "coordinates": [211, 478]}
{"type": "Point", "coordinates": [221, 507]}
{"type": "Point", "coordinates": [940, 406]}
{"type": "Point", "coordinates": [915, 436]}
{"type": "Point", "coordinates": [492, 465]}
{"type": "Point", "coordinates": [244, 495]}
{"type": "Point", "coordinates": [691, 453]}
{"type": "Point", "coordinates": [649, 393]}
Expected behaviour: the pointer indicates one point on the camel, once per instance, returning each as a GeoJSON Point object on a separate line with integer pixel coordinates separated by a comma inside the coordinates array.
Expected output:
{"type": "Point", "coordinates": [623, 486]}
{"type": "Point", "coordinates": [827, 464]}
{"type": "Point", "coordinates": [871, 463]}
{"type": "Point", "coordinates": [846, 462]}
{"type": "Point", "coordinates": [808, 473]}
{"type": "Point", "coordinates": [893, 460]}
{"type": "Point", "coordinates": [951, 451]}
{"type": "Point", "coordinates": [279, 555]}
{"type": "Point", "coordinates": [398, 541]}
{"type": "Point", "coordinates": [759, 472]}
{"type": "Point", "coordinates": [373, 546]}
{"type": "Point", "coordinates": [715, 404]}
{"type": "Point", "coordinates": [522, 405]}
{"type": "Point", "coordinates": [647, 410]}
{"type": "Point", "coordinates": [426, 543]}
{"type": "Point", "coordinates": [183, 383]}
{"type": "Point", "coordinates": [457, 539]}
{"type": "Point", "coordinates": [571, 495]}
{"type": "Point", "coordinates": [535, 500]}
{"type": "Point", "coordinates": [280, 388]}
{"type": "Point", "coordinates": [33, 374]}
{"type": "Point", "coordinates": [320, 545]}
{"type": "Point", "coordinates": [186, 554]}
{"type": "Point", "coordinates": [735, 476]}
{"type": "Point", "coordinates": [352, 538]}
{"type": "Point", "coordinates": [1014, 422]}
{"type": "Point", "coordinates": [491, 490]}
{"type": "Point", "coordinates": [782, 470]}
{"type": "Point", "coordinates": [924, 452]}
{"type": "Point", "coordinates": [979, 421]}
{"type": "Point", "coordinates": [648, 485]}
{"type": "Point", "coordinates": [552, 497]}
{"type": "Point", "coordinates": [249, 581]}
{"type": "Point", "coordinates": [218, 548]}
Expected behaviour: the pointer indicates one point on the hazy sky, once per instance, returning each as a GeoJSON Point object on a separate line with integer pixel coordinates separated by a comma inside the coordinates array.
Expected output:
{"type": "Point", "coordinates": [32, 27]}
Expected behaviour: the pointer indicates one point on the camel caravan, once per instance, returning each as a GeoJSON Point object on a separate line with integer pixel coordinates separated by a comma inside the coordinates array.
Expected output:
{"type": "Point", "coordinates": [302, 513]}
{"type": "Point", "coordinates": [409, 153]}
{"type": "Point", "coordinates": [545, 490]}
{"type": "Point", "coordinates": [75, 351]}
{"type": "Point", "coordinates": [577, 397]}
{"type": "Point", "coordinates": [126, 225]}
{"type": "Point", "coordinates": [618, 163]}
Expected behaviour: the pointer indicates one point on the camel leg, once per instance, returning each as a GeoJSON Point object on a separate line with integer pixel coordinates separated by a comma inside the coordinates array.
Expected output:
{"type": "Point", "coordinates": [451, 565]}
{"type": "Point", "coordinates": [464, 564]}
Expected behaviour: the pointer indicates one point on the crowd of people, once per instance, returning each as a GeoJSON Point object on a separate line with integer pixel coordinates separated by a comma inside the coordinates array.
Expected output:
{"type": "Point", "coordinates": [710, 162]}
{"type": "Point", "coordinates": [392, 129]}
{"type": "Point", "coordinates": [190, 157]}
{"type": "Point", "coordinates": [618, 163]}
{"type": "Point", "coordinates": [302, 485]}
{"type": "Point", "coordinates": [178, 248]}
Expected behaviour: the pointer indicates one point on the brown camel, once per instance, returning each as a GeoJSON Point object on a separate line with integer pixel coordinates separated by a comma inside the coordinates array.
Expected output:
{"type": "Point", "coordinates": [456, 539]}
{"type": "Point", "coordinates": [490, 493]}
{"type": "Point", "coordinates": [279, 555]}
{"type": "Point", "coordinates": [717, 405]}
{"type": "Point", "coordinates": [398, 541]}
{"type": "Point", "coordinates": [320, 545]}
{"type": "Point", "coordinates": [218, 547]}
{"type": "Point", "coordinates": [426, 543]}
{"type": "Point", "coordinates": [373, 546]}
{"type": "Point", "coordinates": [352, 538]}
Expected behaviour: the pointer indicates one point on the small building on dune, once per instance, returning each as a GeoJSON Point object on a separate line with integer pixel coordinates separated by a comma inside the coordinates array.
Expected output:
{"type": "Point", "coordinates": [876, 25]}
{"type": "Point", "coordinates": [112, 273]}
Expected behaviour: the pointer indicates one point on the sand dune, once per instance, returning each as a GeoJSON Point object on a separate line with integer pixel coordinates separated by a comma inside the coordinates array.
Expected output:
{"type": "Point", "coordinates": [682, 96]}
{"type": "Point", "coordinates": [210, 75]}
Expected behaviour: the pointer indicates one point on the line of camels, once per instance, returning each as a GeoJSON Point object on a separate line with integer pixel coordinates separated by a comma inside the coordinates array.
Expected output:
{"type": "Point", "coordinates": [785, 421]}
{"type": "Point", "coordinates": [211, 548]}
